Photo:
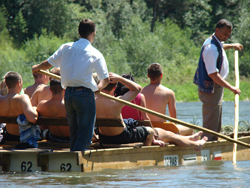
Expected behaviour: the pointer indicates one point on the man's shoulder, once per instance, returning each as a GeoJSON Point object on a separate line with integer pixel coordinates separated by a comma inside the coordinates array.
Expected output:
{"type": "Point", "coordinates": [23, 98]}
{"type": "Point", "coordinates": [42, 88]}
{"type": "Point", "coordinates": [158, 87]}
{"type": "Point", "coordinates": [94, 52]}
{"type": "Point", "coordinates": [68, 44]}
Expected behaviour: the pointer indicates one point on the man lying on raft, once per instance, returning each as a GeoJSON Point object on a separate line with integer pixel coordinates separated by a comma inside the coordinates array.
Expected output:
{"type": "Point", "coordinates": [107, 108]}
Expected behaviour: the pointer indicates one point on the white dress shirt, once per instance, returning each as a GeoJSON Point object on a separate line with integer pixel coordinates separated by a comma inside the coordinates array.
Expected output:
{"type": "Point", "coordinates": [77, 61]}
{"type": "Point", "coordinates": [210, 55]}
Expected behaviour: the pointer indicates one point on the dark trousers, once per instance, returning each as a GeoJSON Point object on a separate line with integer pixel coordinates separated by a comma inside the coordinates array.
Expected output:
{"type": "Point", "coordinates": [81, 114]}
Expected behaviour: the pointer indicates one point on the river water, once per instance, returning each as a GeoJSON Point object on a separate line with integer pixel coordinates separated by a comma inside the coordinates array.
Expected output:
{"type": "Point", "coordinates": [205, 174]}
{"type": "Point", "coordinates": [191, 112]}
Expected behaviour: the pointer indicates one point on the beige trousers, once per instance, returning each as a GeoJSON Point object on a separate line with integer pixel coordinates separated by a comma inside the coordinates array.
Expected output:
{"type": "Point", "coordinates": [212, 111]}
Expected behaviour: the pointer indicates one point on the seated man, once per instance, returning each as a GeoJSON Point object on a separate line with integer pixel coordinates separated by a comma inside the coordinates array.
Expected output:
{"type": "Point", "coordinates": [55, 108]}
{"type": "Point", "coordinates": [40, 79]}
{"type": "Point", "coordinates": [14, 104]}
{"type": "Point", "coordinates": [107, 108]}
{"type": "Point", "coordinates": [43, 91]}
{"type": "Point", "coordinates": [159, 97]}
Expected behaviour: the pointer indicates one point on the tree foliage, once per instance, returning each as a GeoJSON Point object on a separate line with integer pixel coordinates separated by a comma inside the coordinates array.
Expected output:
{"type": "Point", "coordinates": [131, 34]}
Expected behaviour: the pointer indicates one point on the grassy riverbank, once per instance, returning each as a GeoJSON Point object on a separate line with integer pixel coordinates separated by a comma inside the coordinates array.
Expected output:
{"type": "Point", "coordinates": [188, 92]}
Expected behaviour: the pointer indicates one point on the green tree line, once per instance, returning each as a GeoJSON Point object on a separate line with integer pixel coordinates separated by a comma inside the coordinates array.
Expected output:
{"type": "Point", "coordinates": [131, 34]}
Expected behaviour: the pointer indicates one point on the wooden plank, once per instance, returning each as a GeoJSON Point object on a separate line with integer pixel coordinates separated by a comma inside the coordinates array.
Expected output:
{"type": "Point", "coordinates": [134, 145]}
{"type": "Point", "coordinates": [62, 121]}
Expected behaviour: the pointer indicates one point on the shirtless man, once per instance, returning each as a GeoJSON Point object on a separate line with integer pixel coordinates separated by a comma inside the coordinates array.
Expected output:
{"type": "Point", "coordinates": [107, 108]}
{"type": "Point", "coordinates": [55, 108]}
{"type": "Point", "coordinates": [14, 104]}
{"type": "Point", "coordinates": [40, 79]}
{"type": "Point", "coordinates": [159, 97]}
{"type": "Point", "coordinates": [43, 91]}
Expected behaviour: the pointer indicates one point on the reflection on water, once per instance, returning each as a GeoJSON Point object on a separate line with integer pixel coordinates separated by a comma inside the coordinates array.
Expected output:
{"type": "Point", "coordinates": [191, 112]}
{"type": "Point", "coordinates": [206, 174]}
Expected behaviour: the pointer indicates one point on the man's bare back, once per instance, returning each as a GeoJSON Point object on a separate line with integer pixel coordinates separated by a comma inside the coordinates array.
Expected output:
{"type": "Point", "coordinates": [54, 108]}
{"type": "Point", "coordinates": [39, 80]}
{"type": "Point", "coordinates": [106, 108]}
{"type": "Point", "coordinates": [158, 98]}
{"type": "Point", "coordinates": [30, 90]}
{"type": "Point", "coordinates": [42, 93]}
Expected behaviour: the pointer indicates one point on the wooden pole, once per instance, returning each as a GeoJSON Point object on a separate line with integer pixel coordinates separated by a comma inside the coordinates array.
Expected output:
{"type": "Point", "coordinates": [236, 103]}
{"type": "Point", "coordinates": [159, 114]}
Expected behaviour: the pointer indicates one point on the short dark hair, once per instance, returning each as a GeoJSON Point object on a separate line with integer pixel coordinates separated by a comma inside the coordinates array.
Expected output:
{"type": "Point", "coordinates": [223, 22]}
{"type": "Point", "coordinates": [154, 71]}
{"type": "Point", "coordinates": [55, 86]}
{"type": "Point", "coordinates": [11, 79]}
{"type": "Point", "coordinates": [110, 86]}
{"type": "Point", "coordinates": [55, 71]}
{"type": "Point", "coordinates": [37, 75]}
{"type": "Point", "coordinates": [86, 27]}
{"type": "Point", "coordinates": [122, 89]}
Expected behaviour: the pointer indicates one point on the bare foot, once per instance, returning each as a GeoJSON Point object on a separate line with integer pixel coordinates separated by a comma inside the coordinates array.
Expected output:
{"type": "Point", "coordinates": [196, 136]}
{"type": "Point", "coordinates": [201, 143]}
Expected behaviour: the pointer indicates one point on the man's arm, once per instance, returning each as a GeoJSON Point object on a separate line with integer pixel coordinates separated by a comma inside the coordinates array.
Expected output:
{"type": "Point", "coordinates": [34, 97]}
{"type": "Point", "coordinates": [143, 104]}
{"type": "Point", "coordinates": [172, 105]}
{"type": "Point", "coordinates": [236, 46]}
{"type": "Point", "coordinates": [216, 77]}
{"type": "Point", "coordinates": [41, 109]}
{"type": "Point", "coordinates": [103, 83]}
{"type": "Point", "coordinates": [44, 66]}
{"type": "Point", "coordinates": [29, 112]}
{"type": "Point", "coordinates": [133, 87]}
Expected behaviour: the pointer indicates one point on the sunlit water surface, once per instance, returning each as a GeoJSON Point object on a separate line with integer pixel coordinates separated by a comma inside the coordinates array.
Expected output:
{"type": "Point", "coordinates": [205, 174]}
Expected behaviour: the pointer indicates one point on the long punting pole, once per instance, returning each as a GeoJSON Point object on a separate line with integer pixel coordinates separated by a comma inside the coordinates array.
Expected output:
{"type": "Point", "coordinates": [159, 114]}
{"type": "Point", "coordinates": [236, 103]}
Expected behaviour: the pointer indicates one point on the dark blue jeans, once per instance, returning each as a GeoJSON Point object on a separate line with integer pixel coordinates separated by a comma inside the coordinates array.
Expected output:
{"type": "Point", "coordinates": [81, 114]}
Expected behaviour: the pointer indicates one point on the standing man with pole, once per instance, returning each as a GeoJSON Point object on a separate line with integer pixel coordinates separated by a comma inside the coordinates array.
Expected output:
{"type": "Point", "coordinates": [77, 61]}
{"type": "Point", "coordinates": [211, 76]}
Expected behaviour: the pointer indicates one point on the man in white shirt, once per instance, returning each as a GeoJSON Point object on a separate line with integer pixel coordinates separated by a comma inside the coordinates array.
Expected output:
{"type": "Point", "coordinates": [211, 76]}
{"type": "Point", "coordinates": [77, 61]}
